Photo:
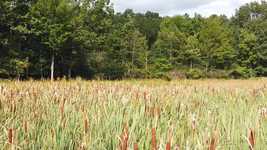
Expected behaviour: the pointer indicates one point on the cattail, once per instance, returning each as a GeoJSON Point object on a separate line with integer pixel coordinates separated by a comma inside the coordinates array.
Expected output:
{"type": "Point", "coordinates": [14, 107]}
{"type": "Point", "coordinates": [251, 139]}
{"type": "Point", "coordinates": [61, 112]}
{"type": "Point", "coordinates": [61, 109]}
{"type": "Point", "coordinates": [82, 108]}
{"type": "Point", "coordinates": [214, 140]}
{"type": "Point", "coordinates": [10, 136]}
{"type": "Point", "coordinates": [168, 146]}
{"type": "Point", "coordinates": [154, 140]}
{"type": "Point", "coordinates": [194, 124]}
{"type": "Point", "coordinates": [157, 111]}
{"type": "Point", "coordinates": [212, 144]}
{"type": "Point", "coordinates": [137, 96]}
{"type": "Point", "coordinates": [86, 123]}
{"type": "Point", "coordinates": [145, 95]}
{"type": "Point", "coordinates": [135, 146]}
{"type": "Point", "coordinates": [124, 139]}
{"type": "Point", "coordinates": [53, 133]}
{"type": "Point", "coordinates": [25, 126]}
{"type": "Point", "coordinates": [177, 147]}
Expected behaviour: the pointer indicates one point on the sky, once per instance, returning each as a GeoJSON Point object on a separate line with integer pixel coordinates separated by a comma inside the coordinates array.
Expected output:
{"type": "Point", "coordinates": [180, 7]}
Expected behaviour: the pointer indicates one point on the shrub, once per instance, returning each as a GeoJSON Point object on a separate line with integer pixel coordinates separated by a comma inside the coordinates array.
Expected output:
{"type": "Point", "coordinates": [261, 71]}
{"type": "Point", "coordinates": [195, 74]}
{"type": "Point", "coordinates": [241, 72]}
{"type": "Point", "coordinates": [218, 74]}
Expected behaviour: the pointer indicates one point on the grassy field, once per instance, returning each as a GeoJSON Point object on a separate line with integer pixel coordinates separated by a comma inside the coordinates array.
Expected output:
{"type": "Point", "coordinates": [152, 114]}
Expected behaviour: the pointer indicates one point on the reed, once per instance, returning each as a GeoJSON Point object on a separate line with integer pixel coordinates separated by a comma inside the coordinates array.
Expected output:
{"type": "Point", "coordinates": [10, 136]}
{"type": "Point", "coordinates": [251, 139]}
{"type": "Point", "coordinates": [120, 115]}
{"type": "Point", "coordinates": [154, 139]}
{"type": "Point", "coordinates": [124, 138]}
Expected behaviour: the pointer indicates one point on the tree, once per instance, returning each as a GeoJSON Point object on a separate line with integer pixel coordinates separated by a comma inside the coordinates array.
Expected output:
{"type": "Point", "coordinates": [191, 53]}
{"type": "Point", "coordinates": [13, 41]}
{"type": "Point", "coordinates": [246, 49]}
{"type": "Point", "coordinates": [170, 42]}
{"type": "Point", "coordinates": [149, 25]}
{"type": "Point", "coordinates": [131, 50]}
{"type": "Point", "coordinates": [50, 20]}
{"type": "Point", "coordinates": [252, 20]}
{"type": "Point", "coordinates": [216, 39]}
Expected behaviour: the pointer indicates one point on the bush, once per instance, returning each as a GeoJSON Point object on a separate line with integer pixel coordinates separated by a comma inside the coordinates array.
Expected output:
{"type": "Point", "coordinates": [241, 72]}
{"type": "Point", "coordinates": [217, 74]}
{"type": "Point", "coordinates": [261, 71]}
{"type": "Point", "coordinates": [195, 74]}
{"type": "Point", "coordinates": [160, 68]}
{"type": "Point", "coordinates": [3, 73]}
{"type": "Point", "coordinates": [177, 74]}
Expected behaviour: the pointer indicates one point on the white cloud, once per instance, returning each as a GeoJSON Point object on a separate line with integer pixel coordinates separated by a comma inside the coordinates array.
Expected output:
{"type": "Point", "coordinates": [174, 7]}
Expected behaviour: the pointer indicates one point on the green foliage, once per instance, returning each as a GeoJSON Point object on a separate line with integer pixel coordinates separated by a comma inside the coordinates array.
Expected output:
{"type": "Point", "coordinates": [195, 74]}
{"type": "Point", "coordinates": [86, 38]}
{"type": "Point", "coordinates": [217, 74]}
{"type": "Point", "coordinates": [241, 72]}
{"type": "Point", "coordinates": [216, 43]}
{"type": "Point", "coordinates": [160, 68]}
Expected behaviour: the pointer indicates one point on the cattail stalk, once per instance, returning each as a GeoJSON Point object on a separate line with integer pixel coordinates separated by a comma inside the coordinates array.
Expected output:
{"type": "Point", "coordinates": [86, 123]}
{"type": "Point", "coordinates": [251, 139]}
{"type": "Point", "coordinates": [154, 139]}
{"type": "Point", "coordinates": [168, 146]}
{"type": "Point", "coordinates": [135, 146]}
{"type": "Point", "coordinates": [25, 127]}
{"type": "Point", "coordinates": [124, 139]}
{"type": "Point", "coordinates": [177, 147]}
{"type": "Point", "coordinates": [214, 141]}
{"type": "Point", "coordinates": [10, 136]}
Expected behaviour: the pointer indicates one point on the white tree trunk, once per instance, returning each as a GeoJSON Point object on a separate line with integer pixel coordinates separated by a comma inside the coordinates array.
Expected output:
{"type": "Point", "coordinates": [52, 67]}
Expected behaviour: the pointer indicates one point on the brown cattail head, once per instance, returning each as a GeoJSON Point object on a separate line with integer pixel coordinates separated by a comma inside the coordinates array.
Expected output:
{"type": "Point", "coordinates": [154, 140]}
{"type": "Point", "coordinates": [10, 136]}
{"type": "Point", "coordinates": [135, 146]}
{"type": "Point", "coordinates": [194, 124]}
{"type": "Point", "coordinates": [14, 107]}
{"type": "Point", "coordinates": [25, 127]}
{"type": "Point", "coordinates": [177, 147]}
{"type": "Point", "coordinates": [124, 138]}
{"type": "Point", "coordinates": [168, 146]}
{"type": "Point", "coordinates": [251, 139]}
{"type": "Point", "coordinates": [145, 96]}
{"type": "Point", "coordinates": [214, 141]}
{"type": "Point", "coordinates": [85, 123]}
{"type": "Point", "coordinates": [82, 108]}
{"type": "Point", "coordinates": [61, 109]}
{"type": "Point", "coordinates": [53, 133]}
{"type": "Point", "coordinates": [152, 111]}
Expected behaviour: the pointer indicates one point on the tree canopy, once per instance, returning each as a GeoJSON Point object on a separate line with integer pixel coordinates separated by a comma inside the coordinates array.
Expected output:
{"type": "Point", "coordinates": [86, 38]}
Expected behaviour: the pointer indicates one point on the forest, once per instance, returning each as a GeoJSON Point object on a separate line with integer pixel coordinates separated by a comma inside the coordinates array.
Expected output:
{"type": "Point", "coordinates": [44, 39]}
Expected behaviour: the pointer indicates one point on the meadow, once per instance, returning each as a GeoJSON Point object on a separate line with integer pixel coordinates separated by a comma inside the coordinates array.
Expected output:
{"type": "Point", "coordinates": [136, 114]}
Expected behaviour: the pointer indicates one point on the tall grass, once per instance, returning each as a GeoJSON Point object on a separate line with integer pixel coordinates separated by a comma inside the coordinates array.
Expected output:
{"type": "Point", "coordinates": [152, 114]}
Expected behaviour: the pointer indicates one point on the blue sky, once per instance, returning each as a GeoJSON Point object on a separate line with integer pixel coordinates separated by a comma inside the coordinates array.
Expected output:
{"type": "Point", "coordinates": [175, 7]}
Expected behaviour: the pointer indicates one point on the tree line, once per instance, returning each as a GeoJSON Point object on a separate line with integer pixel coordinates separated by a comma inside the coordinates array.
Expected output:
{"type": "Point", "coordinates": [86, 38]}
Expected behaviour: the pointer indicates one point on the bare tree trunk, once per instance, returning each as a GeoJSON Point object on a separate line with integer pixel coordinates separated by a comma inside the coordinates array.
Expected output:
{"type": "Point", "coordinates": [69, 73]}
{"type": "Point", "coordinates": [52, 67]}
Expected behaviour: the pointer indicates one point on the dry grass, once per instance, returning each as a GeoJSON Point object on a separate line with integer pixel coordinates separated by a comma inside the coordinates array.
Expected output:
{"type": "Point", "coordinates": [151, 114]}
